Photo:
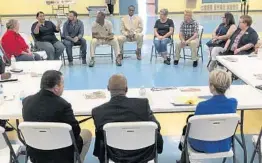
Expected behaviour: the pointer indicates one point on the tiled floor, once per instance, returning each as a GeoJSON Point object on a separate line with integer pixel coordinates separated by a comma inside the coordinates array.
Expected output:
{"type": "Point", "coordinates": [144, 73]}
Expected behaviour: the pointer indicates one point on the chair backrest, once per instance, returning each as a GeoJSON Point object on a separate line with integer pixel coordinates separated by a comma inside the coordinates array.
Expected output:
{"type": "Point", "coordinates": [213, 127]}
{"type": "Point", "coordinates": [46, 135]}
{"type": "Point", "coordinates": [6, 60]}
{"type": "Point", "coordinates": [2, 139]}
{"type": "Point", "coordinates": [130, 135]}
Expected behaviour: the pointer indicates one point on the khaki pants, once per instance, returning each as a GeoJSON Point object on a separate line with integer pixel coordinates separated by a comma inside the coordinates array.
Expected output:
{"type": "Point", "coordinates": [138, 39]}
{"type": "Point", "coordinates": [95, 42]}
{"type": "Point", "coordinates": [87, 138]}
{"type": "Point", "coordinates": [193, 45]}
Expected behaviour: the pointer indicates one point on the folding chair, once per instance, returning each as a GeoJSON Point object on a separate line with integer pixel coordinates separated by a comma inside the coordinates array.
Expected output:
{"type": "Point", "coordinates": [79, 56]}
{"type": "Point", "coordinates": [210, 128]}
{"type": "Point", "coordinates": [8, 152]}
{"type": "Point", "coordinates": [129, 51]}
{"type": "Point", "coordinates": [139, 135]}
{"type": "Point", "coordinates": [111, 54]}
{"type": "Point", "coordinates": [5, 58]}
{"type": "Point", "coordinates": [53, 136]}
{"type": "Point", "coordinates": [200, 34]}
{"type": "Point", "coordinates": [258, 147]}
{"type": "Point", "coordinates": [171, 52]}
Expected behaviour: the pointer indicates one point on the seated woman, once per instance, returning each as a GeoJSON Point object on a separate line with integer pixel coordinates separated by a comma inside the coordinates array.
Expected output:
{"type": "Point", "coordinates": [219, 83]}
{"type": "Point", "coordinates": [221, 34]}
{"type": "Point", "coordinates": [14, 45]}
{"type": "Point", "coordinates": [163, 30]}
{"type": "Point", "coordinates": [242, 41]}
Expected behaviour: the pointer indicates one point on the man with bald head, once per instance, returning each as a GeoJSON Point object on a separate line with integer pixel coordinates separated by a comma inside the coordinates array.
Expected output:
{"type": "Point", "coordinates": [123, 109]}
{"type": "Point", "coordinates": [102, 33]}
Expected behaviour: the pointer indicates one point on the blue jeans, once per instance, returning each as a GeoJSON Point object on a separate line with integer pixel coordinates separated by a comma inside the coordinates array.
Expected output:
{"type": "Point", "coordinates": [24, 57]}
{"type": "Point", "coordinates": [161, 45]}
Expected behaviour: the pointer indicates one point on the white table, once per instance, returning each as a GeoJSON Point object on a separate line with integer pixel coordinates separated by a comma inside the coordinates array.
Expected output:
{"type": "Point", "coordinates": [160, 101]}
{"type": "Point", "coordinates": [25, 80]}
{"type": "Point", "coordinates": [245, 68]}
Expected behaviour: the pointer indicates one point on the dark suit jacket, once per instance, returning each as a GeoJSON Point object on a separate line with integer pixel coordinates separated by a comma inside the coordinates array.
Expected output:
{"type": "Point", "coordinates": [123, 109]}
{"type": "Point", "coordinates": [45, 106]}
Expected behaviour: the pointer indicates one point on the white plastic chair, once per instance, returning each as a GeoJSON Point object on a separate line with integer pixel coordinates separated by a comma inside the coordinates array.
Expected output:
{"type": "Point", "coordinates": [52, 135]}
{"type": "Point", "coordinates": [130, 136]}
{"type": "Point", "coordinates": [8, 152]}
{"type": "Point", "coordinates": [200, 46]}
{"type": "Point", "coordinates": [211, 128]}
{"type": "Point", "coordinates": [258, 147]}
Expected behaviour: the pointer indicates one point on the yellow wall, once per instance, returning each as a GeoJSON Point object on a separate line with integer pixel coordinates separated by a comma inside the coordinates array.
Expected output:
{"type": "Point", "coordinates": [181, 6]}
{"type": "Point", "coordinates": [17, 7]}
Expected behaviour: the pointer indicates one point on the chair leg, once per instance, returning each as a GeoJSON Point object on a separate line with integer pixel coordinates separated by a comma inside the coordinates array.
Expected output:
{"type": "Point", "coordinates": [234, 149]}
{"type": "Point", "coordinates": [152, 50]}
{"type": "Point", "coordinates": [184, 53]}
{"type": "Point", "coordinates": [112, 57]}
{"type": "Point", "coordinates": [202, 56]}
{"type": "Point", "coordinates": [224, 160]}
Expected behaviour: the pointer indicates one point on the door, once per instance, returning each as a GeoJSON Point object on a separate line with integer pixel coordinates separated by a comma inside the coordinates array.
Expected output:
{"type": "Point", "coordinates": [124, 4]}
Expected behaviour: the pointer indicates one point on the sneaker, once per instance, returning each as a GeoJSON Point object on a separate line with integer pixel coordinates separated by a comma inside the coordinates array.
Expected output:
{"type": "Point", "coordinates": [91, 63]}
{"type": "Point", "coordinates": [118, 62]}
{"type": "Point", "coordinates": [195, 63]}
{"type": "Point", "coordinates": [176, 62]}
{"type": "Point", "coordinates": [71, 63]}
{"type": "Point", "coordinates": [166, 62]}
{"type": "Point", "coordinates": [84, 62]}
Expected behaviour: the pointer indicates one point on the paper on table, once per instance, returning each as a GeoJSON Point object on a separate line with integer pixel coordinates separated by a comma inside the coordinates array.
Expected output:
{"type": "Point", "coordinates": [231, 59]}
{"type": "Point", "coordinates": [187, 100]}
{"type": "Point", "coordinates": [95, 95]}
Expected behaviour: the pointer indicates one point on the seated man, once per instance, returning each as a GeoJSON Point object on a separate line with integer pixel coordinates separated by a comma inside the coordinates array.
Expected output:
{"type": "Point", "coordinates": [73, 32]}
{"type": "Point", "coordinates": [123, 109]}
{"type": "Point", "coordinates": [188, 36]}
{"type": "Point", "coordinates": [48, 106]}
{"type": "Point", "coordinates": [102, 33]}
{"type": "Point", "coordinates": [131, 29]}
{"type": "Point", "coordinates": [44, 34]}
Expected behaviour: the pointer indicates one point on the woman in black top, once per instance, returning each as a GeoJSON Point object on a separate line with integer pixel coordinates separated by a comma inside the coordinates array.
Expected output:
{"type": "Point", "coordinates": [220, 36]}
{"type": "Point", "coordinates": [163, 30]}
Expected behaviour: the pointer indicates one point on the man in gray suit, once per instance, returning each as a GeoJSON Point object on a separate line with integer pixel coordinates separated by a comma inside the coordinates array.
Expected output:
{"type": "Point", "coordinates": [73, 32]}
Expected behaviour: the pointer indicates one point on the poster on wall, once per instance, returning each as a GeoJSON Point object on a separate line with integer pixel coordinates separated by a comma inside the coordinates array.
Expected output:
{"type": "Point", "coordinates": [60, 2]}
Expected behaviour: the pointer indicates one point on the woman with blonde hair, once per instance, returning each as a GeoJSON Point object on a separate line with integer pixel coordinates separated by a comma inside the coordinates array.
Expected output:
{"type": "Point", "coordinates": [14, 44]}
{"type": "Point", "coordinates": [219, 83]}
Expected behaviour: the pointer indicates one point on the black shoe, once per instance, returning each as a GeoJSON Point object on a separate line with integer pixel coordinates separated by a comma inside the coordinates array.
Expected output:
{"type": "Point", "coordinates": [8, 129]}
{"type": "Point", "coordinates": [91, 63]}
{"type": "Point", "coordinates": [169, 59]}
{"type": "Point", "coordinates": [84, 62]}
{"type": "Point", "coordinates": [195, 63]}
{"type": "Point", "coordinates": [176, 62]}
{"type": "Point", "coordinates": [71, 63]}
{"type": "Point", "coordinates": [167, 62]}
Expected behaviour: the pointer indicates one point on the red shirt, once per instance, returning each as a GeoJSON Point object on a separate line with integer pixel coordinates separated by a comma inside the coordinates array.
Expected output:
{"type": "Point", "coordinates": [13, 44]}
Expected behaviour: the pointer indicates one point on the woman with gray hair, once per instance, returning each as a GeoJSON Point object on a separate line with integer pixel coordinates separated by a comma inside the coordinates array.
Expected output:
{"type": "Point", "coordinates": [14, 44]}
{"type": "Point", "coordinates": [219, 83]}
{"type": "Point", "coordinates": [163, 30]}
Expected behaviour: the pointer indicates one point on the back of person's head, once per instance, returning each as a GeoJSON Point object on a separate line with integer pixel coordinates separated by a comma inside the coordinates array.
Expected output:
{"type": "Point", "coordinates": [52, 80]}
{"type": "Point", "coordinates": [247, 19]}
{"type": "Point", "coordinates": [117, 85]}
{"type": "Point", "coordinates": [219, 82]}
{"type": "Point", "coordinates": [11, 24]}
{"type": "Point", "coordinates": [229, 19]}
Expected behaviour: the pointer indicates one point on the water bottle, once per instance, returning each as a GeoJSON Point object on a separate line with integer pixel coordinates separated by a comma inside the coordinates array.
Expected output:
{"type": "Point", "coordinates": [13, 62]}
{"type": "Point", "coordinates": [142, 91]}
{"type": "Point", "coordinates": [22, 95]}
{"type": "Point", "coordinates": [1, 94]}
